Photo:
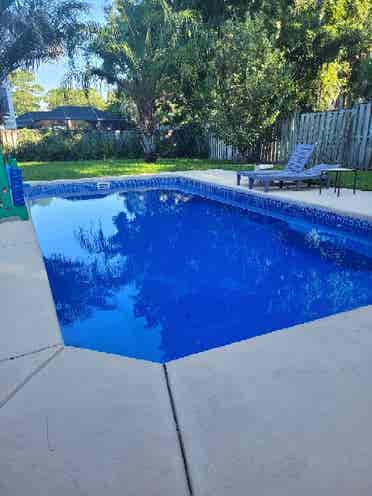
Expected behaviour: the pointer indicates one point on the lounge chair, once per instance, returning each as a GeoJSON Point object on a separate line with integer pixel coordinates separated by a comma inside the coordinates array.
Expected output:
{"type": "Point", "coordinates": [296, 164]}
{"type": "Point", "coordinates": [316, 173]}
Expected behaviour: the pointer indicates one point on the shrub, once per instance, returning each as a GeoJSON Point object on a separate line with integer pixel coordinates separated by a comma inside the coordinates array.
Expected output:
{"type": "Point", "coordinates": [49, 145]}
{"type": "Point", "coordinates": [187, 141]}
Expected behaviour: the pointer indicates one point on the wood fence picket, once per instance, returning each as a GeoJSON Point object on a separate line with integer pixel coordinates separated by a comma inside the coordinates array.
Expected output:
{"type": "Point", "coordinates": [341, 136]}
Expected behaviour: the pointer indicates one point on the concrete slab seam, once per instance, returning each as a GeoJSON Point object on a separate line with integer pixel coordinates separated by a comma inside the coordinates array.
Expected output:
{"type": "Point", "coordinates": [29, 377]}
{"type": "Point", "coordinates": [179, 433]}
{"type": "Point", "coordinates": [29, 353]}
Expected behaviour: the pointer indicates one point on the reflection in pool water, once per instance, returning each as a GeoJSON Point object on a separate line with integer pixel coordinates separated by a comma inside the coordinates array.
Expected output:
{"type": "Point", "coordinates": [159, 275]}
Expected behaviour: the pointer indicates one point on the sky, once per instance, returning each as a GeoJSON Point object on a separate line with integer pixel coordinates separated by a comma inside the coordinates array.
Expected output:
{"type": "Point", "coordinates": [51, 75]}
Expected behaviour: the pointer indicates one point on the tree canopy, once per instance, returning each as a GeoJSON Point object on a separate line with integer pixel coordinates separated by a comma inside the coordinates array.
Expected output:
{"type": "Point", "coordinates": [57, 97]}
{"type": "Point", "coordinates": [231, 66]}
{"type": "Point", "coordinates": [326, 43]}
{"type": "Point", "coordinates": [35, 31]}
{"type": "Point", "coordinates": [26, 92]}
{"type": "Point", "coordinates": [29, 96]}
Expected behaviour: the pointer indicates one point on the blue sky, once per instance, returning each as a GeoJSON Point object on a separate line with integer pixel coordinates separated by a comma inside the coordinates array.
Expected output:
{"type": "Point", "coordinates": [51, 75]}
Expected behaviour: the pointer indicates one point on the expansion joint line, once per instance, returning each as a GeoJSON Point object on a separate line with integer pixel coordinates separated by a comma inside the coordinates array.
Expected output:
{"type": "Point", "coordinates": [29, 377]}
{"type": "Point", "coordinates": [34, 352]}
{"type": "Point", "coordinates": [179, 433]}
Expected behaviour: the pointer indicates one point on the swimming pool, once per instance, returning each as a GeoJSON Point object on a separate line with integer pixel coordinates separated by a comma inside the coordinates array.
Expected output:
{"type": "Point", "coordinates": [159, 274]}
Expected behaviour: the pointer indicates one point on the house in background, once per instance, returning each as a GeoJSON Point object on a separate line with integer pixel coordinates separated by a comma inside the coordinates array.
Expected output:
{"type": "Point", "coordinates": [7, 107]}
{"type": "Point", "coordinates": [73, 118]}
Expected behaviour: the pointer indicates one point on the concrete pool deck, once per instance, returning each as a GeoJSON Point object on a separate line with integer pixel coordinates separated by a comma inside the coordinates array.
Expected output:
{"type": "Point", "coordinates": [287, 413]}
{"type": "Point", "coordinates": [359, 205]}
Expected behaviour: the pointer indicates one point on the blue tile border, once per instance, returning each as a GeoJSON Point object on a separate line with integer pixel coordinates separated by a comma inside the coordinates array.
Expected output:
{"type": "Point", "coordinates": [225, 194]}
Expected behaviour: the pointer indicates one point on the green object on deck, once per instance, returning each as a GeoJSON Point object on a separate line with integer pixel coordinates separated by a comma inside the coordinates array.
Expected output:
{"type": "Point", "coordinates": [5, 196]}
{"type": "Point", "coordinates": [7, 208]}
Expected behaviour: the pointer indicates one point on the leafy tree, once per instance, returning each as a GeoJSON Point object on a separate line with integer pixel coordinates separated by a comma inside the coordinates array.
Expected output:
{"type": "Point", "coordinates": [138, 49]}
{"type": "Point", "coordinates": [362, 83]}
{"type": "Point", "coordinates": [74, 96]}
{"type": "Point", "coordinates": [26, 93]}
{"type": "Point", "coordinates": [35, 31]}
{"type": "Point", "coordinates": [119, 103]}
{"type": "Point", "coordinates": [325, 42]}
{"type": "Point", "coordinates": [252, 84]}
{"type": "Point", "coordinates": [333, 82]}
{"type": "Point", "coordinates": [213, 12]}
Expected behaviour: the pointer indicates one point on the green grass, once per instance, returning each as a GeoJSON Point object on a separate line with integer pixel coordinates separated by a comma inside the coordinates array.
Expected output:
{"type": "Point", "coordinates": [364, 180]}
{"type": "Point", "coordinates": [47, 171]}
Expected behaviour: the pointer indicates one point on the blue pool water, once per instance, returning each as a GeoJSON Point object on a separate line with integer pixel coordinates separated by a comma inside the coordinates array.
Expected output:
{"type": "Point", "coordinates": [159, 275]}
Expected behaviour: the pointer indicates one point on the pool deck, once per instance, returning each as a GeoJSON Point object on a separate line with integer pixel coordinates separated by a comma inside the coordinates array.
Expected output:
{"type": "Point", "coordinates": [284, 414]}
{"type": "Point", "coordinates": [359, 205]}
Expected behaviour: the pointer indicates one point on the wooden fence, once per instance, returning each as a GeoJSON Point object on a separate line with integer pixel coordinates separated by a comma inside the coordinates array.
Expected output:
{"type": "Point", "coordinates": [8, 139]}
{"type": "Point", "coordinates": [218, 150]}
{"type": "Point", "coordinates": [341, 136]}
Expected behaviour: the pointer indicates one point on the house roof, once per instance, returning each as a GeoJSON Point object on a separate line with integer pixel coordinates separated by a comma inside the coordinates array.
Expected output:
{"type": "Point", "coordinates": [73, 113]}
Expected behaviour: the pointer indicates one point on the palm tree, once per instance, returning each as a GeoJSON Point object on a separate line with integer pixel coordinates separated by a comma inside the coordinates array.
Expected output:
{"type": "Point", "coordinates": [138, 50]}
{"type": "Point", "coordinates": [35, 31]}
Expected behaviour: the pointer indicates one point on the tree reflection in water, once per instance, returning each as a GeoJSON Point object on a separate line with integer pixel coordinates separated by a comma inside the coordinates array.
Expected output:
{"type": "Point", "coordinates": [197, 274]}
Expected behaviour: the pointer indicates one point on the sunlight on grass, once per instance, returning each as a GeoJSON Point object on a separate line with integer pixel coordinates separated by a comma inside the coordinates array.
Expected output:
{"type": "Point", "coordinates": [37, 171]}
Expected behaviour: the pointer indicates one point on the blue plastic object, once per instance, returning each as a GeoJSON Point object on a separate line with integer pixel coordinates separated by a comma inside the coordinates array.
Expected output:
{"type": "Point", "coordinates": [16, 184]}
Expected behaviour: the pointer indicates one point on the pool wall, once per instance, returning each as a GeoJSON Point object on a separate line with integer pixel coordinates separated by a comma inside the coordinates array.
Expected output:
{"type": "Point", "coordinates": [225, 194]}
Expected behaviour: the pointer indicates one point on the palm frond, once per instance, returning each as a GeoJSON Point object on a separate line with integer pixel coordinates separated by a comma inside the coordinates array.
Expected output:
{"type": "Point", "coordinates": [34, 31]}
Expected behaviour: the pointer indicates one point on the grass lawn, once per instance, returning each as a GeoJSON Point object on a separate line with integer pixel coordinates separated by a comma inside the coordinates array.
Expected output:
{"type": "Point", "coordinates": [39, 171]}
{"type": "Point", "coordinates": [47, 171]}
{"type": "Point", "coordinates": [364, 180]}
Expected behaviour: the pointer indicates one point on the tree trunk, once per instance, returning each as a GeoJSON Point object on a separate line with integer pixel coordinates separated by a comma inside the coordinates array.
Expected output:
{"type": "Point", "coordinates": [2, 105]}
{"type": "Point", "coordinates": [149, 147]}
{"type": "Point", "coordinates": [147, 126]}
